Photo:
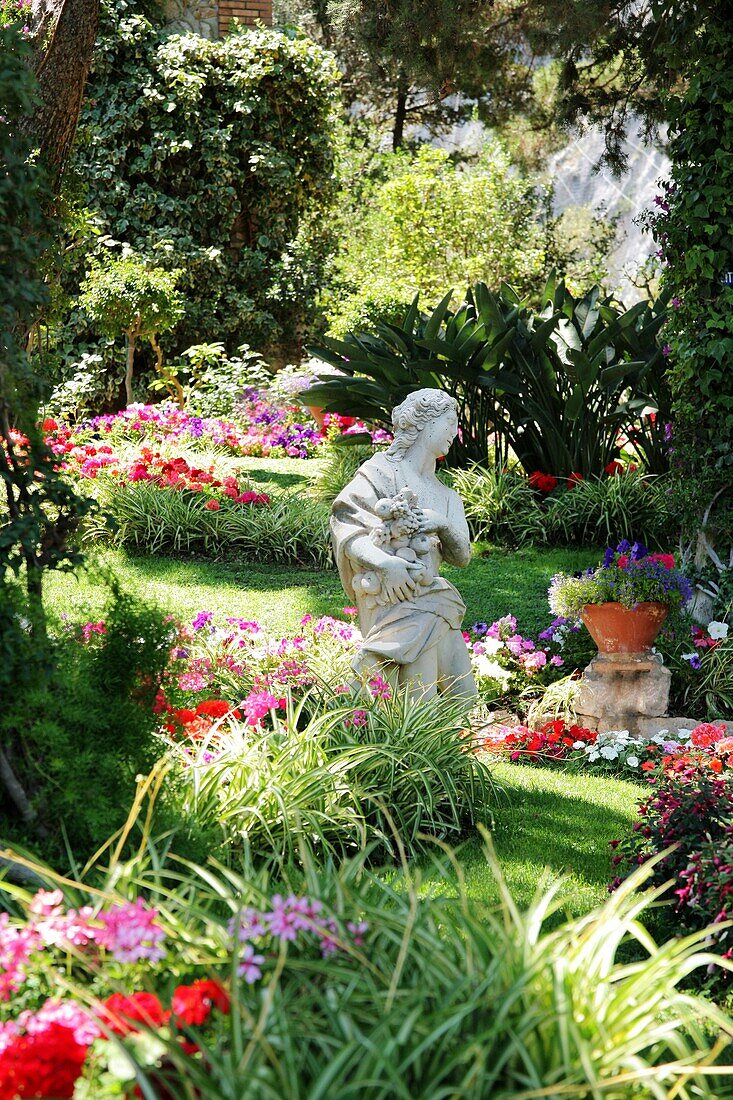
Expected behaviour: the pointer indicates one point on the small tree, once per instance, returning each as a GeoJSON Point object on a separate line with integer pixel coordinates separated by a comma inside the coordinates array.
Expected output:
{"type": "Point", "coordinates": [127, 296]}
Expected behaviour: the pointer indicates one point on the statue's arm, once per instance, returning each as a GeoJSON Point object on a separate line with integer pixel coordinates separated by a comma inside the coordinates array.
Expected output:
{"type": "Point", "coordinates": [452, 530]}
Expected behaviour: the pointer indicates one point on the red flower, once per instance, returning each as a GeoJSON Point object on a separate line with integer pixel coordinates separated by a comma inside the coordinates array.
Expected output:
{"type": "Point", "coordinates": [212, 505]}
{"type": "Point", "coordinates": [574, 479]}
{"type": "Point", "coordinates": [663, 559]}
{"type": "Point", "coordinates": [121, 1013]}
{"type": "Point", "coordinates": [613, 468]}
{"type": "Point", "coordinates": [545, 483]}
{"type": "Point", "coordinates": [622, 561]}
{"type": "Point", "coordinates": [42, 1064]}
{"type": "Point", "coordinates": [215, 708]}
{"type": "Point", "coordinates": [192, 1004]}
{"type": "Point", "coordinates": [49, 425]}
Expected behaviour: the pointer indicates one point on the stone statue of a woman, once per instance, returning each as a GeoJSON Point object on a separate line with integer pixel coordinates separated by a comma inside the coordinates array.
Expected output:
{"type": "Point", "coordinates": [391, 527]}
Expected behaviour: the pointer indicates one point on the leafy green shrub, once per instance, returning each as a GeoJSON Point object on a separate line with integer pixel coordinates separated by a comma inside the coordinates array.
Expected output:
{"type": "Point", "coordinates": [555, 386]}
{"type": "Point", "coordinates": [500, 505]}
{"type": "Point", "coordinates": [217, 381]}
{"type": "Point", "coordinates": [126, 296]}
{"type": "Point", "coordinates": [687, 831]}
{"type": "Point", "coordinates": [337, 778]}
{"type": "Point", "coordinates": [600, 511]}
{"type": "Point", "coordinates": [432, 225]}
{"type": "Point", "coordinates": [208, 156]}
{"type": "Point", "coordinates": [290, 528]}
{"type": "Point", "coordinates": [78, 739]}
{"type": "Point", "coordinates": [692, 220]}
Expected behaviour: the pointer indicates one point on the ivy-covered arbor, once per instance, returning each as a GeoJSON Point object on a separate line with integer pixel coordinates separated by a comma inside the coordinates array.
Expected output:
{"type": "Point", "coordinates": [214, 158]}
{"type": "Point", "coordinates": [695, 231]}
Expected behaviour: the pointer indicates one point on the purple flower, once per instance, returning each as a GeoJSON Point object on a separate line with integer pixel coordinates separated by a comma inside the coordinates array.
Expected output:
{"type": "Point", "coordinates": [608, 557]}
{"type": "Point", "coordinates": [249, 965]}
{"type": "Point", "coordinates": [202, 619]}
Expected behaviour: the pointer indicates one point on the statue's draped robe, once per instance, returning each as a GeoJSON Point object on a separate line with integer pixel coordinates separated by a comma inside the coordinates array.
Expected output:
{"type": "Point", "coordinates": [398, 632]}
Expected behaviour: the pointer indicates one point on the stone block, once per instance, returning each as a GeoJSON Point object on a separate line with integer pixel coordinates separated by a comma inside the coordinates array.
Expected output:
{"type": "Point", "coordinates": [617, 691]}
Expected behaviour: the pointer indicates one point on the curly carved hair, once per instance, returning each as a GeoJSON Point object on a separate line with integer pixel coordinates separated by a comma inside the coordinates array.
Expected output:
{"type": "Point", "coordinates": [411, 416]}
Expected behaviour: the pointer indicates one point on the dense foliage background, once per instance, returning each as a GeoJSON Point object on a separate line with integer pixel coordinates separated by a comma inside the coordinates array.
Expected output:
{"type": "Point", "coordinates": [213, 157]}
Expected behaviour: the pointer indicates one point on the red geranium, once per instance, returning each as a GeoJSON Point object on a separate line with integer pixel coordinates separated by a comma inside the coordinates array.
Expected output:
{"type": "Point", "coordinates": [192, 1004]}
{"type": "Point", "coordinates": [545, 483]}
{"type": "Point", "coordinates": [215, 708]}
{"type": "Point", "coordinates": [613, 468]}
{"type": "Point", "coordinates": [122, 1013]}
{"type": "Point", "coordinates": [574, 479]}
{"type": "Point", "coordinates": [41, 1064]}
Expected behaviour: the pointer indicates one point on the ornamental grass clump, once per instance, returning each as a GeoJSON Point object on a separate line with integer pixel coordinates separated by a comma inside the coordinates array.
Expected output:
{"type": "Point", "coordinates": [355, 775]}
{"type": "Point", "coordinates": [331, 982]}
{"type": "Point", "coordinates": [628, 575]}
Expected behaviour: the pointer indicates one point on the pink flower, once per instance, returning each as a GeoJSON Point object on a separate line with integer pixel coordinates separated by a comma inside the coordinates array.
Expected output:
{"type": "Point", "coordinates": [129, 932]}
{"type": "Point", "coordinates": [192, 681]}
{"type": "Point", "coordinates": [533, 662]}
{"type": "Point", "coordinates": [379, 688]}
{"type": "Point", "coordinates": [16, 947]}
{"type": "Point", "coordinates": [258, 704]}
{"type": "Point", "coordinates": [212, 505]}
{"type": "Point", "coordinates": [249, 965]}
{"type": "Point", "coordinates": [66, 1013]}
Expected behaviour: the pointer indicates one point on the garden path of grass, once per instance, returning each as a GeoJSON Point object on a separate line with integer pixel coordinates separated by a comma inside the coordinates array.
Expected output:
{"type": "Point", "coordinates": [496, 583]}
{"type": "Point", "coordinates": [548, 820]}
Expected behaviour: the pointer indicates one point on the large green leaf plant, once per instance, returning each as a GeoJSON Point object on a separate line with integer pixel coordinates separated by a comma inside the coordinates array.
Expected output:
{"type": "Point", "coordinates": [556, 386]}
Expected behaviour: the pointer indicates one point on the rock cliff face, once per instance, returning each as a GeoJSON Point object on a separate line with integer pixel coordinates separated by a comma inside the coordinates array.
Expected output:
{"type": "Point", "coordinates": [578, 184]}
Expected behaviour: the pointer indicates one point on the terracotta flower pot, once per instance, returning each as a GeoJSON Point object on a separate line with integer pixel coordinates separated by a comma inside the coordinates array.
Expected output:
{"type": "Point", "coordinates": [318, 415]}
{"type": "Point", "coordinates": [618, 629]}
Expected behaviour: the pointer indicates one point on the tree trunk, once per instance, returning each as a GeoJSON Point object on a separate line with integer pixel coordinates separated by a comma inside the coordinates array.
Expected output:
{"type": "Point", "coordinates": [171, 380]}
{"type": "Point", "coordinates": [63, 33]}
{"type": "Point", "coordinates": [131, 335]}
{"type": "Point", "coordinates": [398, 130]}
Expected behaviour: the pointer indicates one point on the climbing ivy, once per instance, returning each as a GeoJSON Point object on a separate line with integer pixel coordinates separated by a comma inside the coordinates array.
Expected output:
{"type": "Point", "coordinates": [695, 231]}
{"type": "Point", "coordinates": [210, 157]}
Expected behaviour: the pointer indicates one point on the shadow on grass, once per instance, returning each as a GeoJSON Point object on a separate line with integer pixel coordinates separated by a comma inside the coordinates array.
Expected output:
{"type": "Point", "coordinates": [566, 833]}
{"type": "Point", "coordinates": [273, 477]}
{"type": "Point", "coordinates": [320, 589]}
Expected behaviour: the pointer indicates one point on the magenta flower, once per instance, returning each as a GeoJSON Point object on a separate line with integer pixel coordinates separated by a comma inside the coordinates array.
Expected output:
{"type": "Point", "coordinates": [130, 933]}
{"type": "Point", "coordinates": [379, 688]}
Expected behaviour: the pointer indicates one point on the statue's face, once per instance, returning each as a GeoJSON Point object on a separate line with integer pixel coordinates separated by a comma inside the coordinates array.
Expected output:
{"type": "Point", "coordinates": [438, 435]}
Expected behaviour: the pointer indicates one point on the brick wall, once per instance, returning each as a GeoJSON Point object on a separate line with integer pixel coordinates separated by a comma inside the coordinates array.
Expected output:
{"type": "Point", "coordinates": [245, 11]}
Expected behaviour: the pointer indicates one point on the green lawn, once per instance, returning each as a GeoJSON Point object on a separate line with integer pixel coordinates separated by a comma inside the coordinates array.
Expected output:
{"type": "Point", "coordinates": [497, 582]}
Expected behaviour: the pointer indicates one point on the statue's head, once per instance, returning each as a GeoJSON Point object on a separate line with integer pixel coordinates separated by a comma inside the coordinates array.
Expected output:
{"type": "Point", "coordinates": [416, 411]}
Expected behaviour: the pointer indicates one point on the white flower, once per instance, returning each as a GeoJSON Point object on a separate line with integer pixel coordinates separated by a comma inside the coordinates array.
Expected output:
{"type": "Point", "coordinates": [491, 669]}
{"type": "Point", "coordinates": [718, 631]}
{"type": "Point", "coordinates": [689, 656]}
{"type": "Point", "coordinates": [580, 745]}
{"type": "Point", "coordinates": [492, 645]}
{"type": "Point", "coordinates": [592, 755]}
{"type": "Point", "coordinates": [632, 761]}
{"type": "Point", "coordinates": [608, 752]}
